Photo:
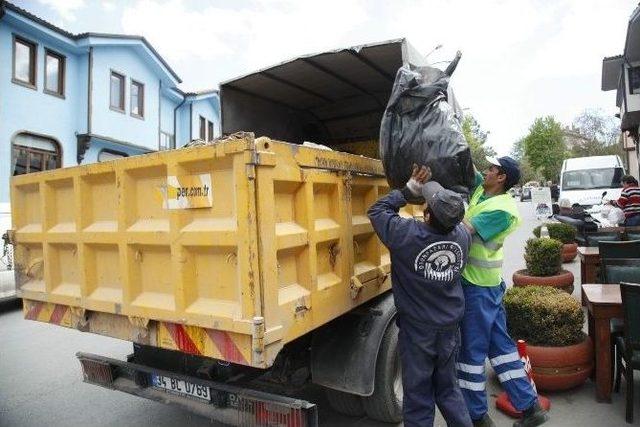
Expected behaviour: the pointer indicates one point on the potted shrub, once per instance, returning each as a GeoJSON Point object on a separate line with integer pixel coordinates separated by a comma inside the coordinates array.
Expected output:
{"type": "Point", "coordinates": [564, 233]}
{"type": "Point", "coordinates": [550, 321]}
{"type": "Point", "coordinates": [543, 257]}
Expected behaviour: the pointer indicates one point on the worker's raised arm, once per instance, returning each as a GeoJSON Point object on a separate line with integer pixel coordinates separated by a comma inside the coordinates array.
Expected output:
{"type": "Point", "coordinates": [390, 227]}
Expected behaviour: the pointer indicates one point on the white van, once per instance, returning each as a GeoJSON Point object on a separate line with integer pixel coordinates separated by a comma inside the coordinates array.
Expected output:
{"type": "Point", "coordinates": [584, 179]}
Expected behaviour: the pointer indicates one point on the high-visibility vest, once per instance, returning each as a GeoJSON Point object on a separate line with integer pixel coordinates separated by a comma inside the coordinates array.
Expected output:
{"type": "Point", "coordinates": [484, 266]}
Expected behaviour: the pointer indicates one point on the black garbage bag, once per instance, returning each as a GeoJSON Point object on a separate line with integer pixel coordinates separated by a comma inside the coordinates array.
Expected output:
{"type": "Point", "coordinates": [420, 126]}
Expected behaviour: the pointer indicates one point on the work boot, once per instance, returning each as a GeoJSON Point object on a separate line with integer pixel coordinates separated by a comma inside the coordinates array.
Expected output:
{"type": "Point", "coordinates": [532, 417]}
{"type": "Point", "coordinates": [485, 421]}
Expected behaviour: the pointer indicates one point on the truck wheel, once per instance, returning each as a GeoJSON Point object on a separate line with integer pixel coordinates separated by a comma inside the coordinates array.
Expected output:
{"type": "Point", "coordinates": [345, 403]}
{"type": "Point", "coordinates": [385, 404]}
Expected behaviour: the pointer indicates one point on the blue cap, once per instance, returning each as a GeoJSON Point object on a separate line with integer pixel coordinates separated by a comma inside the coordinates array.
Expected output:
{"type": "Point", "coordinates": [511, 169]}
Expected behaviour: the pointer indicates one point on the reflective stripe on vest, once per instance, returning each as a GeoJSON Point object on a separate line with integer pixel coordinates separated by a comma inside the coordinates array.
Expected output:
{"type": "Point", "coordinates": [492, 246]}
{"type": "Point", "coordinates": [484, 263]}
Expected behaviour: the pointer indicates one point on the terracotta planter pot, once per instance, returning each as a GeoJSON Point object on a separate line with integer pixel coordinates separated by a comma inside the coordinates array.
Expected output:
{"type": "Point", "coordinates": [569, 252]}
{"type": "Point", "coordinates": [561, 368]}
{"type": "Point", "coordinates": [563, 280]}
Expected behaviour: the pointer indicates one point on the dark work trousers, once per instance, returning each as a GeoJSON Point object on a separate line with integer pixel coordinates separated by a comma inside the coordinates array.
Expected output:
{"type": "Point", "coordinates": [428, 358]}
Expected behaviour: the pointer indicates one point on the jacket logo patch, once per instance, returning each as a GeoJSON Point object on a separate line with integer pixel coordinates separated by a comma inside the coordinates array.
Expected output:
{"type": "Point", "coordinates": [440, 261]}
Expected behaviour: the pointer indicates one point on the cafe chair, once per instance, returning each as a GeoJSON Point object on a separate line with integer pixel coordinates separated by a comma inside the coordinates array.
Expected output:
{"type": "Point", "coordinates": [628, 345]}
{"type": "Point", "coordinates": [632, 235]}
{"type": "Point", "coordinates": [593, 239]}
{"type": "Point", "coordinates": [616, 270]}
{"type": "Point", "coordinates": [624, 249]}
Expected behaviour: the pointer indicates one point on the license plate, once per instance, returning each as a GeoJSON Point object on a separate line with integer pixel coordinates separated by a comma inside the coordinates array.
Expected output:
{"type": "Point", "coordinates": [181, 387]}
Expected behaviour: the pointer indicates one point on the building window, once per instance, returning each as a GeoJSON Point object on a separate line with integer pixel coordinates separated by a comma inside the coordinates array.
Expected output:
{"type": "Point", "coordinates": [117, 92]}
{"type": "Point", "coordinates": [33, 153]}
{"type": "Point", "coordinates": [209, 131]}
{"type": "Point", "coordinates": [54, 73]}
{"type": "Point", "coordinates": [634, 80]}
{"type": "Point", "coordinates": [137, 99]}
{"type": "Point", "coordinates": [24, 62]}
{"type": "Point", "coordinates": [166, 141]}
{"type": "Point", "coordinates": [203, 128]}
{"type": "Point", "coordinates": [107, 155]}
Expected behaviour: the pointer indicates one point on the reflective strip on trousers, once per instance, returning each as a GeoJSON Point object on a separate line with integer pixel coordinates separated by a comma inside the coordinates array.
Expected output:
{"type": "Point", "coordinates": [471, 369]}
{"type": "Point", "coordinates": [492, 246]}
{"type": "Point", "coordinates": [484, 263]}
{"type": "Point", "coordinates": [470, 385]}
{"type": "Point", "coordinates": [504, 358]}
{"type": "Point", "coordinates": [512, 374]}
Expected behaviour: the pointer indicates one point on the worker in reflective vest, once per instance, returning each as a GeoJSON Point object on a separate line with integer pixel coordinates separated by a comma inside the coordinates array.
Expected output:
{"type": "Point", "coordinates": [492, 215]}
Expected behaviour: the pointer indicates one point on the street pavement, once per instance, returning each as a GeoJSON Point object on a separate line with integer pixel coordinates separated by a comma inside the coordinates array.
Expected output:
{"type": "Point", "coordinates": [41, 382]}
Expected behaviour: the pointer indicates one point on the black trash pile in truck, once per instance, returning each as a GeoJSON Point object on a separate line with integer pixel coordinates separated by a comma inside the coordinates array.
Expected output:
{"type": "Point", "coordinates": [420, 125]}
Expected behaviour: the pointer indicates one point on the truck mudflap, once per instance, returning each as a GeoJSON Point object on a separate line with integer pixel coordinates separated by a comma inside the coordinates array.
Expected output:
{"type": "Point", "coordinates": [224, 403]}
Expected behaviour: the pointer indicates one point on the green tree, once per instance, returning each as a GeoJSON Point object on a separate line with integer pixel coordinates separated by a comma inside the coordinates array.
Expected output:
{"type": "Point", "coordinates": [544, 147]}
{"type": "Point", "coordinates": [527, 172]}
{"type": "Point", "coordinates": [477, 138]}
{"type": "Point", "coordinates": [593, 133]}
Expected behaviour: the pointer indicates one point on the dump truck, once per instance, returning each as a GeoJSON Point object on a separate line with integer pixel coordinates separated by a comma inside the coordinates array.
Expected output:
{"type": "Point", "coordinates": [242, 270]}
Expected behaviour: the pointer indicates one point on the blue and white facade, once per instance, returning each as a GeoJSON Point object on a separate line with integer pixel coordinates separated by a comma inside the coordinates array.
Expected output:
{"type": "Point", "coordinates": [69, 99]}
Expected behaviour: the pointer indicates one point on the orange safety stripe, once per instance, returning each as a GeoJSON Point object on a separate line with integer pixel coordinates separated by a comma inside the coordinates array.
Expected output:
{"type": "Point", "coordinates": [47, 312]}
{"type": "Point", "coordinates": [205, 342]}
{"type": "Point", "coordinates": [226, 346]}
{"type": "Point", "coordinates": [34, 311]}
{"type": "Point", "coordinates": [182, 339]}
{"type": "Point", "coordinates": [58, 314]}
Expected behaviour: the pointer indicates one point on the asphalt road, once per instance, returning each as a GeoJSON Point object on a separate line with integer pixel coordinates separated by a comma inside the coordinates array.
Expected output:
{"type": "Point", "coordinates": [41, 382]}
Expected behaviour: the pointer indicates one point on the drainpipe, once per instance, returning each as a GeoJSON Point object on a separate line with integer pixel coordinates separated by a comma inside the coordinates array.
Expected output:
{"type": "Point", "coordinates": [90, 91]}
{"type": "Point", "coordinates": [175, 110]}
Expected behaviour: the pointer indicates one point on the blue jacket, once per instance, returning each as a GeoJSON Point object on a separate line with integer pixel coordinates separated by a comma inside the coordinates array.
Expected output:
{"type": "Point", "coordinates": [426, 266]}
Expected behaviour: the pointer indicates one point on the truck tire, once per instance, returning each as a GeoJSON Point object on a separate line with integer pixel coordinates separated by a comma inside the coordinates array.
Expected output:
{"type": "Point", "coordinates": [385, 404]}
{"type": "Point", "coordinates": [345, 403]}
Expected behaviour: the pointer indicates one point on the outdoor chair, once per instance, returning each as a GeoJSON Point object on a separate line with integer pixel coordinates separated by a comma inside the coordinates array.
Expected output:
{"type": "Point", "coordinates": [628, 345]}
{"type": "Point", "coordinates": [633, 235]}
{"type": "Point", "coordinates": [620, 262]}
{"type": "Point", "coordinates": [616, 270]}
{"type": "Point", "coordinates": [624, 249]}
{"type": "Point", "coordinates": [593, 239]}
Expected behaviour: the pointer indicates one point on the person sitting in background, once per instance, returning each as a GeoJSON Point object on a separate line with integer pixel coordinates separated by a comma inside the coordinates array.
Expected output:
{"type": "Point", "coordinates": [565, 207]}
{"type": "Point", "coordinates": [629, 201]}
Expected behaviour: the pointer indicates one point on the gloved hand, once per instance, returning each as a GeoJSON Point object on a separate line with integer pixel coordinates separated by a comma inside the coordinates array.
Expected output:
{"type": "Point", "coordinates": [419, 176]}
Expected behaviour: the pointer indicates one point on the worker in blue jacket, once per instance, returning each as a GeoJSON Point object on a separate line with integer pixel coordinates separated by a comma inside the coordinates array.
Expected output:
{"type": "Point", "coordinates": [427, 259]}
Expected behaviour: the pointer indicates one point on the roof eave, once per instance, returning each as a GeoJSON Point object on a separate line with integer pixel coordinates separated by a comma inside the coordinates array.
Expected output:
{"type": "Point", "coordinates": [70, 37]}
{"type": "Point", "coordinates": [92, 37]}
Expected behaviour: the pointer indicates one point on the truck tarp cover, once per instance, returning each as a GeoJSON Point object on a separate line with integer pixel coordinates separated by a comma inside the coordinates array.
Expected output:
{"type": "Point", "coordinates": [420, 126]}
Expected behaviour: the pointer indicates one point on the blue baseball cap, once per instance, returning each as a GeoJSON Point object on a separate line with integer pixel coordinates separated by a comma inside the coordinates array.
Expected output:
{"type": "Point", "coordinates": [510, 167]}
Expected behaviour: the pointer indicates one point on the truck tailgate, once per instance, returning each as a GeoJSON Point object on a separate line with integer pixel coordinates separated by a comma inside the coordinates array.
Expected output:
{"type": "Point", "coordinates": [227, 251]}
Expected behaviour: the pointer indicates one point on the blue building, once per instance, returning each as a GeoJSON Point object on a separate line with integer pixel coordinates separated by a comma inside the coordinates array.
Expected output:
{"type": "Point", "coordinates": [69, 99]}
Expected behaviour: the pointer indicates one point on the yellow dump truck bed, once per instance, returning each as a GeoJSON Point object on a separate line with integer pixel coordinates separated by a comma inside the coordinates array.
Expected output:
{"type": "Point", "coordinates": [227, 251]}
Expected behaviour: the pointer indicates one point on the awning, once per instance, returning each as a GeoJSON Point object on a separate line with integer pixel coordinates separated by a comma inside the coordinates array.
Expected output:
{"type": "Point", "coordinates": [611, 69]}
{"type": "Point", "coordinates": [632, 44]}
{"type": "Point", "coordinates": [330, 97]}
